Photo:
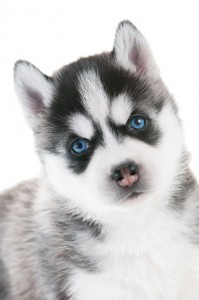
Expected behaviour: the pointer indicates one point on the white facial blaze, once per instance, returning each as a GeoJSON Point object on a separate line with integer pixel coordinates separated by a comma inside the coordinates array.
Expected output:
{"type": "Point", "coordinates": [121, 109]}
{"type": "Point", "coordinates": [93, 95]}
{"type": "Point", "coordinates": [81, 125]}
{"type": "Point", "coordinates": [96, 102]}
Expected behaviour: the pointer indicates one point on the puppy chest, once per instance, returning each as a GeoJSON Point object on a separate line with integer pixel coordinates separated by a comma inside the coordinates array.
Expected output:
{"type": "Point", "coordinates": [124, 275]}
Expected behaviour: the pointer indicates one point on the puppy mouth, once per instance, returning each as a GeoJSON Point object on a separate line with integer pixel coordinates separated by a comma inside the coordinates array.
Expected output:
{"type": "Point", "coordinates": [133, 195]}
{"type": "Point", "coordinates": [130, 195]}
{"type": "Point", "coordinates": [135, 192]}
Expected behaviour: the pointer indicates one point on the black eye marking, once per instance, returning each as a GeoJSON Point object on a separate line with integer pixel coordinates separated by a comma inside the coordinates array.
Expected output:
{"type": "Point", "coordinates": [139, 127]}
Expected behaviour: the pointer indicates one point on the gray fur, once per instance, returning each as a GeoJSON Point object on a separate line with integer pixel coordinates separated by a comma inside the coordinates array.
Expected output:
{"type": "Point", "coordinates": [38, 262]}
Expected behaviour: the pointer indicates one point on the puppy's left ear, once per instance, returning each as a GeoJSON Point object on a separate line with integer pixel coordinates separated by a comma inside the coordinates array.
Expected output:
{"type": "Point", "coordinates": [132, 51]}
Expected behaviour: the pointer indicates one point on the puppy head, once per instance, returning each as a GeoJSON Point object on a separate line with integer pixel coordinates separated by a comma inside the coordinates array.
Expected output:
{"type": "Point", "coordinates": [106, 128]}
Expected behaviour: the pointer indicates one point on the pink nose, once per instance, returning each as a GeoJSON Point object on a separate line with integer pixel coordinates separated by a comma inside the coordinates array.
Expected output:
{"type": "Point", "coordinates": [126, 174]}
{"type": "Point", "coordinates": [127, 178]}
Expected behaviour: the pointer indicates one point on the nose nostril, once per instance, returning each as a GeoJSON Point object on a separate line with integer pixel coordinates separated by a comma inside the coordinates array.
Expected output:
{"type": "Point", "coordinates": [133, 170]}
{"type": "Point", "coordinates": [117, 175]}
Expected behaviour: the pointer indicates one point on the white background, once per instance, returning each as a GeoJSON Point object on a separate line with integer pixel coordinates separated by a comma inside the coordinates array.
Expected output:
{"type": "Point", "coordinates": [52, 33]}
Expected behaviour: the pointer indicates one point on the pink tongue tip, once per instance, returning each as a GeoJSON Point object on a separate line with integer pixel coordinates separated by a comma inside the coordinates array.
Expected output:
{"type": "Point", "coordinates": [128, 180]}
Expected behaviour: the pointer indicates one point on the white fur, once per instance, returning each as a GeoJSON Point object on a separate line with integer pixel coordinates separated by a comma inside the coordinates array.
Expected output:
{"type": "Point", "coordinates": [81, 125]}
{"type": "Point", "coordinates": [137, 264]}
{"type": "Point", "coordinates": [128, 39]}
{"type": "Point", "coordinates": [121, 109]}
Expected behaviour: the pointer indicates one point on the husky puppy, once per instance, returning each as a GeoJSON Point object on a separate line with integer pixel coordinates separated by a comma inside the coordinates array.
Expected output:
{"type": "Point", "coordinates": [115, 215]}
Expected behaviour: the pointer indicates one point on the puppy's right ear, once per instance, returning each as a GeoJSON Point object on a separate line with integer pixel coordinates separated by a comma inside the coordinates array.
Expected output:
{"type": "Point", "coordinates": [133, 53]}
{"type": "Point", "coordinates": [34, 91]}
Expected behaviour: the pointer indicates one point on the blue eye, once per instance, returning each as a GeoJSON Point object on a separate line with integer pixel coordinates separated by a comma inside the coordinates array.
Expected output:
{"type": "Point", "coordinates": [80, 146]}
{"type": "Point", "coordinates": [137, 122]}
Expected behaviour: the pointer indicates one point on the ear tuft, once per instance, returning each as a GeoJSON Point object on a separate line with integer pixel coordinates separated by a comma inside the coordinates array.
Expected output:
{"type": "Point", "coordinates": [132, 51]}
{"type": "Point", "coordinates": [34, 90]}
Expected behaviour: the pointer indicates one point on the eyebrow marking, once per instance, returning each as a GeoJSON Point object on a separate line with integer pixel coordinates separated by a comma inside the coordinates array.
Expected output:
{"type": "Point", "coordinates": [81, 125]}
{"type": "Point", "coordinates": [121, 109]}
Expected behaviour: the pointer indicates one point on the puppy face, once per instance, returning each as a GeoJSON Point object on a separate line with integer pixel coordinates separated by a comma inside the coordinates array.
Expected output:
{"type": "Point", "coordinates": [105, 126]}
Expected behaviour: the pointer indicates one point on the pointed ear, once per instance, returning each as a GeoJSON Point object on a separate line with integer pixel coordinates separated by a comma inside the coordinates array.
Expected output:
{"type": "Point", "coordinates": [132, 51]}
{"type": "Point", "coordinates": [34, 91]}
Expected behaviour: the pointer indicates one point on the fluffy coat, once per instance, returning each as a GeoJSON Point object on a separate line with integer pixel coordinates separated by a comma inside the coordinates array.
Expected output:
{"type": "Point", "coordinates": [75, 233]}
